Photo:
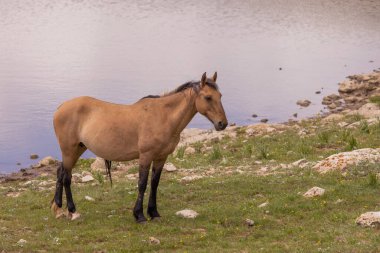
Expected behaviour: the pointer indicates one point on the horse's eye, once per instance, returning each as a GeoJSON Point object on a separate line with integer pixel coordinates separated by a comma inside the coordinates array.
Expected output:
{"type": "Point", "coordinates": [208, 98]}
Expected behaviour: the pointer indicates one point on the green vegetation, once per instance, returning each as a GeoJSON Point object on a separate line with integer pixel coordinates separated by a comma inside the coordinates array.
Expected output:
{"type": "Point", "coordinates": [289, 223]}
{"type": "Point", "coordinates": [375, 100]}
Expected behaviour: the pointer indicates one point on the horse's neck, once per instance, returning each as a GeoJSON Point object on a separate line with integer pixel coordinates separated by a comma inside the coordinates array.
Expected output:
{"type": "Point", "coordinates": [182, 106]}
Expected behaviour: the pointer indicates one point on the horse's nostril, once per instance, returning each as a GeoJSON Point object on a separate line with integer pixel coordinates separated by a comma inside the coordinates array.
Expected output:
{"type": "Point", "coordinates": [220, 124]}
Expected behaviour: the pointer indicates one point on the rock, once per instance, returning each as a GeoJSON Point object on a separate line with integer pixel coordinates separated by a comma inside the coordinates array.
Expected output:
{"type": "Point", "coordinates": [263, 205]}
{"type": "Point", "coordinates": [314, 192]}
{"type": "Point", "coordinates": [254, 115]}
{"type": "Point", "coordinates": [169, 167]}
{"type": "Point", "coordinates": [342, 160]}
{"type": "Point", "coordinates": [369, 219]}
{"type": "Point", "coordinates": [327, 100]}
{"type": "Point", "coordinates": [89, 198]}
{"type": "Point", "coordinates": [304, 103]}
{"type": "Point", "coordinates": [49, 160]}
{"type": "Point", "coordinates": [190, 178]}
{"type": "Point", "coordinates": [153, 240]}
{"type": "Point", "coordinates": [302, 163]}
{"type": "Point", "coordinates": [87, 178]}
{"type": "Point", "coordinates": [13, 194]}
{"type": "Point", "coordinates": [189, 151]}
{"type": "Point", "coordinates": [34, 156]}
{"type": "Point", "coordinates": [98, 164]}
{"type": "Point", "coordinates": [21, 242]}
{"type": "Point", "coordinates": [368, 110]}
{"type": "Point", "coordinates": [249, 222]}
{"type": "Point", "coordinates": [264, 120]}
{"type": "Point", "coordinates": [295, 115]}
{"type": "Point", "coordinates": [187, 213]}
{"type": "Point", "coordinates": [332, 117]}
{"type": "Point", "coordinates": [318, 92]}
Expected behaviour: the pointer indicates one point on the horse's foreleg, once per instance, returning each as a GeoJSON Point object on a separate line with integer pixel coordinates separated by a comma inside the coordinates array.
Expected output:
{"type": "Point", "coordinates": [156, 174]}
{"type": "Point", "coordinates": [138, 210]}
{"type": "Point", "coordinates": [57, 201]}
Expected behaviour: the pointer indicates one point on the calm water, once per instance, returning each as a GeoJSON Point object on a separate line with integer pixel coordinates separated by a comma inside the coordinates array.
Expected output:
{"type": "Point", "coordinates": [51, 51]}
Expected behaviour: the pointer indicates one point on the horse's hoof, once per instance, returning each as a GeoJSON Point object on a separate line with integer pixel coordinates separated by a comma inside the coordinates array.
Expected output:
{"type": "Point", "coordinates": [57, 211]}
{"type": "Point", "coordinates": [156, 219]}
{"type": "Point", "coordinates": [141, 220]}
{"type": "Point", "coordinates": [73, 216]}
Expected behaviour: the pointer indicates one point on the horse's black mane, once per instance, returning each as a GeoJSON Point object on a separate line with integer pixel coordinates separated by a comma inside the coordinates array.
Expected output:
{"type": "Point", "coordinates": [192, 84]}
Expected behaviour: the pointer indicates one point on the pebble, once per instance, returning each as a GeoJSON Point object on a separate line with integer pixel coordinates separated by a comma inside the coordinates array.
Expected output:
{"type": "Point", "coordinates": [249, 222]}
{"type": "Point", "coordinates": [263, 205]}
{"type": "Point", "coordinates": [21, 242]}
{"type": "Point", "coordinates": [187, 213]}
{"type": "Point", "coordinates": [89, 198]}
{"type": "Point", "coordinates": [153, 240]}
{"type": "Point", "coordinates": [87, 178]}
{"type": "Point", "coordinates": [264, 120]}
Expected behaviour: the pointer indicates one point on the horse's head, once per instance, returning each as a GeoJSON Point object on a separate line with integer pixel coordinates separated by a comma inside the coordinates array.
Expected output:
{"type": "Point", "coordinates": [209, 104]}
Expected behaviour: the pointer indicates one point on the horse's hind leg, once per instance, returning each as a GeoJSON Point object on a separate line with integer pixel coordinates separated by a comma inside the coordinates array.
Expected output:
{"type": "Point", "coordinates": [138, 210]}
{"type": "Point", "coordinates": [69, 158]}
{"type": "Point", "coordinates": [156, 174]}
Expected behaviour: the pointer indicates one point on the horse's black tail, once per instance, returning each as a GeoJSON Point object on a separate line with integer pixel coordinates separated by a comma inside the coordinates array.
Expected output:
{"type": "Point", "coordinates": [108, 169]}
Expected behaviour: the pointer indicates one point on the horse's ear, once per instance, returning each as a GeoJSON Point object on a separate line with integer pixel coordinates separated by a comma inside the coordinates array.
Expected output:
{"type": "Point", "coordinates": [215, 76]}
{"type": "Point", "coordinates": [203, 80]}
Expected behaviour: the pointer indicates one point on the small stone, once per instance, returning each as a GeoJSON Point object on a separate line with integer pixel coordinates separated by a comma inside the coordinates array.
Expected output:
{"type": "Point", "coordinates": [21, 242]}
{"type": "Point", "coordinates": [254, 115]}
{"type": "Point", "coordinates": [314, 192]}
{"type": "Point", "coordinates": [187, 213]}
{"type": "Point", "coordinates": [318, 92]}
{"type": "Point", "coordinates": [169, 167]}
{"type": "Point", "coordinates": [189, 151]}
{"type": "Point", "coordinates": [18, 164]}
{"type": "Point", "coordinates": [263, 205]}
{"type": "Point", "coordinates": [302, 163]}
{"type": "Point", "coordinates": [295, 115]}
{"type": "Point", "coordinates": [89, 198]}
{"type": "Point", "coordinates": [233, 124]}
{"type": "Point", "coordinates": [190, 178]}
{"type": "Point", "coordinates": [369, 219]}
{"type": "Point", "coordinates": [249, 222]}
{"type": "Point", "coordinates": [87, 178]}
{"type": "Point", "coordinates": [264, 120]}
{"type": "Point", "coordinates": [13, 194]}
{"type": "Point", "coordinates": [304, 103]}
{"type": "Point", "coordinates": [34, 156]}
{"type": "Point", "coordinates": [153, 240]}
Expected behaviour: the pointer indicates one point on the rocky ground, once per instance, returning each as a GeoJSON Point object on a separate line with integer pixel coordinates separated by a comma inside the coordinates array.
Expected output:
{"type": "Point", "coordinates": [344, 142]}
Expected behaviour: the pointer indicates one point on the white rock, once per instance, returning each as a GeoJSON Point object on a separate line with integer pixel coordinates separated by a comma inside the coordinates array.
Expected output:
{"type": "Point", "coordinates": [87, 178]}
{"type": "Point", "coordinates": [189, 151]}
{"type": "Point", "coordinates": [342, 160]}
{"type": "Point", "coordinates": [154, 240]}
{"type": "Point", "coordinates": [98, 164]}
{"type": "Point", "coordinates": [169, 167]}
{"type": "Point", "coordinates": [13, 194]}
{"type": "Point", "coordinates": [249, 222]}
{"type": "Point", "coordinates": [369, 219]}
{"type": "Point", "coordinates": [187, 213]}
{"type": "Point", "coordinates": [21, 242]}
{"type": "Point", "coordinates": [313, 192]}
{"type": "Point", "coordinates": [89, 198]}
{"type": "Point", "coordinates": [302, 163]}
{"type": "Point", "coordinates": [263, 205]}
{"type": "Point", "coordinates": [190, 178]}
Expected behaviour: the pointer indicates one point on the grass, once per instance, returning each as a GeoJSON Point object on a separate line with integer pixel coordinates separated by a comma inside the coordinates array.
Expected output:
{"type": "Point", "coordinates": [289, 223]}
{"type": "Point", "coordinates": [375, 100]}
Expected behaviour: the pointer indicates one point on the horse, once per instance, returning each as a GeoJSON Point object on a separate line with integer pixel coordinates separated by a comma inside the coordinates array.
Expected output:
{"type": "Point", "coordinates": [148, 130]}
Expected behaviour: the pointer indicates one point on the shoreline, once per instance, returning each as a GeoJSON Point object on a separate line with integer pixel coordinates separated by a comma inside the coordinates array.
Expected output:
{"type": "Point", "coordinates": [357, 94]}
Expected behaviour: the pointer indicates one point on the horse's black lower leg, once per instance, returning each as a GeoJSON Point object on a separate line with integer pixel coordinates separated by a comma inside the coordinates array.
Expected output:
{"type": "Point", "coordinates": [138, 210]}
{"type": "Point", "coordinates": [59, 186]}
{"type": "Point", "coordinates": [152, 205]}
{"type": "Point", "coordinates": [69, 196]}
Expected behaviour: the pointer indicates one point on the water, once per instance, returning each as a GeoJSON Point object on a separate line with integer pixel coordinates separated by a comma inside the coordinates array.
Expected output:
{"type": "Point", "coordinates": [119, 51]}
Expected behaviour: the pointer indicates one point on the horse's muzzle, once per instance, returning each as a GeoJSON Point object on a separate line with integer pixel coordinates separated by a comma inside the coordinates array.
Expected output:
{"type": "Point", "coordinates": [219, 126]}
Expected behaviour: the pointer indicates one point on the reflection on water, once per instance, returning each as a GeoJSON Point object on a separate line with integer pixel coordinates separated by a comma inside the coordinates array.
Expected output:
{"type": "Point", "coordinates": [119, 51]}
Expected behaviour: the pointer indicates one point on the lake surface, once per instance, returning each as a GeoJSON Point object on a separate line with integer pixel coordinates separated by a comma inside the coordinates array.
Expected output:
{"type": "Point", "coordinates": [120, 51]}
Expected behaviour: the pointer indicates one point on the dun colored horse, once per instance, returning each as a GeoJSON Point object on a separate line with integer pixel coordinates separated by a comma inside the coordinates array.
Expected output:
{"type": "Point", "coordinates": [148, 130]}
